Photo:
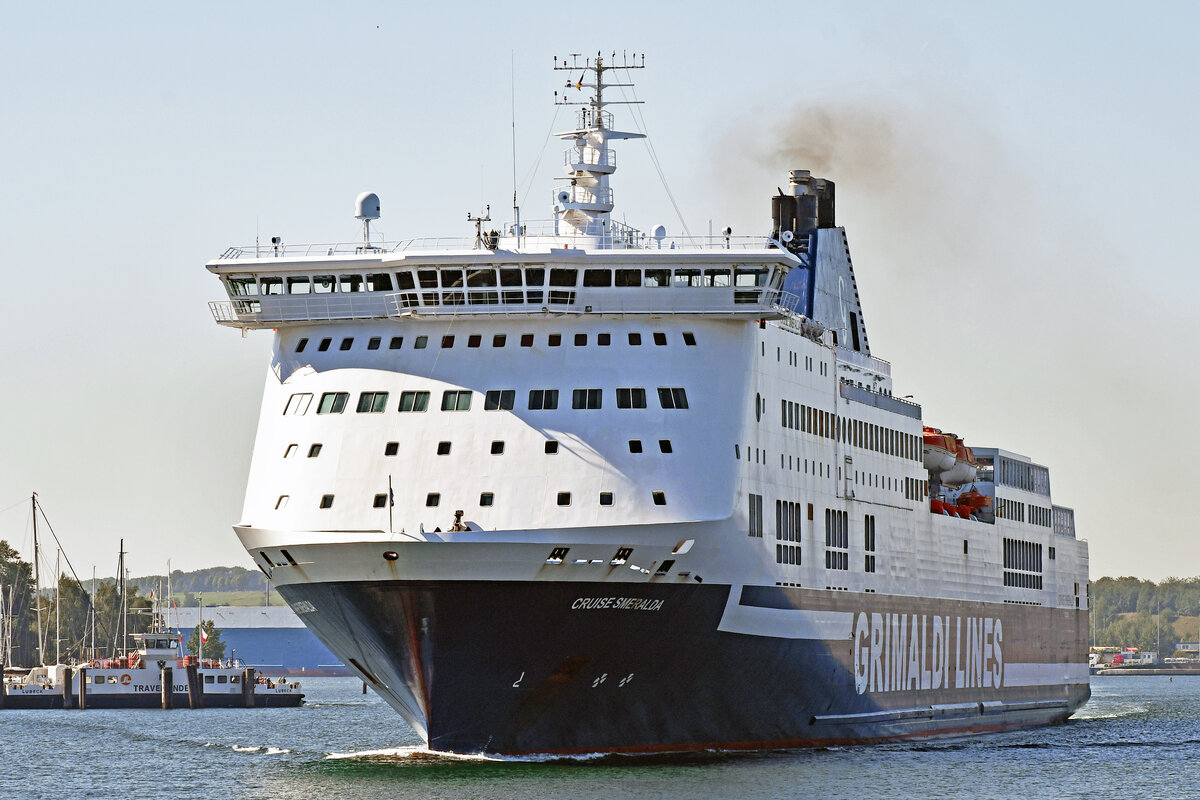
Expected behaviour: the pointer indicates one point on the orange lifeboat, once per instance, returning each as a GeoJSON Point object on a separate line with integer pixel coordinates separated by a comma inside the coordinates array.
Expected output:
{"type": "Point", "coordinates": [938, 450]}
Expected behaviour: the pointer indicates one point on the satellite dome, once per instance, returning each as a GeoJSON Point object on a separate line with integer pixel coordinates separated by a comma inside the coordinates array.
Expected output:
{"type": "Point", "coordinates": [366, 206]}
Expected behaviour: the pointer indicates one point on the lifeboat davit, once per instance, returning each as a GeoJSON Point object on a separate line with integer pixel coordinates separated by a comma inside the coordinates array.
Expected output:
{"type": "Point", "coordinates": [938, 450]}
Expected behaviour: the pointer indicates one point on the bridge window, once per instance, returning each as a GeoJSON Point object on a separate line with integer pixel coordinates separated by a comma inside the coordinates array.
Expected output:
{"type": "Point", "coordinates": [564, 277]}
{"type": "Point", "coordinates": [499, 400]}
{"type": "Point", "coordinates": [323, 284]}
{"type": "Point", "coordinates": [687, 277]}
{"type": "Point", "coordinates": [271, 286]}
{"type": "Point", "coordinates": [333, 402]}
{"type": "Point", "coordinates": [351, 283]}
{"type": "Point", "coordinates": [379, 282]}
{"type": "Point", "coordinates": [629, 277]}
{"type": "Point", "coordinates": [543, 399]}
{"type": "Point", "coordinates": [586, 398]}
{"type": "Point", "coordinates": [634, 397]}
{"type": "Point", "coordinates": [299, 285]}
{"type": "Point", "coordinates": [672, 397]}
{"type": "Point", "coordinates": [372, 402]}
{"type": "Point", "coordinates": [717, 277]}
{"type": "Point", "coordinates": [657, 277]}
{"type": "Point", "coordinates": [456, 400]}
{"type": "Point", "coordinates": [242, 287]}
{"type": "Point", "coordinates": [597, 277]}
{"type": "Point", "coordinates": [414, 401]}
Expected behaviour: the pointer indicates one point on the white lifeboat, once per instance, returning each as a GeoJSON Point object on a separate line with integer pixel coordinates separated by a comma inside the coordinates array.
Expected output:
{"type": "Point", "coordinates": [938, 450]}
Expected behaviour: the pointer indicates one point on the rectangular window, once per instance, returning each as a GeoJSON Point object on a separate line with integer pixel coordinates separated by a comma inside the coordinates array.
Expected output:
{"type": "Point", "coordinates": [333, 402]}
{"type": "Point", "coordinates": [551, 447]}
{"type": "Point", "coordinates": [380, 501]}
{"type": "Point", "coordinates": [324, 284]}
{"type": "Point", "coordinates": [497, 448]}
{"type": "Point", "coordinates": [347, 343]}
{"type": "Point", "coordinates": [660, 338]}
{"type": "Point", "coordinates": [326, 501]}
{"type": "Point", "coordinates": [629, 277]}
{"type": "Point", "coordinates": [379, 282]}
{"type": "Point", "coordinates": [606, 499]}
{"type": "Point", "coordinates": [604, 339]}
{"type": "Point", "coordinates": [585, 398]}
{"type": "Point", "coordinates": [756, 515]}
{"type": "Point", "coordinates": [659, 498]}
{"type": "Point", "coordinates": [672, 397]}
{"type": "Point", "coordinates": [564, 498]}
{"type": "Point", "coordinates": [372, 402]}
{"type": "Point", "coordinates": [351, 283]}
{"type": "Point", "coordinates": [421, 343]}
{"type": "Point", "coordinates": [689, 338]}
{"type": "Point", "coordinates": [581, 340]}
{"type": "Point", "coordinates": [634, 397]}
{"type": "Point", "coordinates": [564, 277]}
{"type": "Point", "coordinates": [596, 277]}
{"type": "Point", "coordinates": [324, 345]}
{"type": "Point", "coordinates": [456, 400]}
{"type": "Point", "coordinates": [447, 341]}
{"type": "Point", "coordinates": [314, 451]}
{"type": "Point", "coordinates": [298, 404]}
{"type": "Point", "coordinates": [391, 448]}
{"type": "Point", "coordinates": [543, 399]}
{"type": "Point", "coordinates": [414, 401]}
{"type": "Point", "coordinates": [664, 446]}
{"type": "Point", "coordinates": [300, 345]}
{"type": "Point", "coordinates": [499, 339]}
{"type": "Point", "coordinates": [395, 343]}
{"type": "Point", "coordinates": [554, 340]}
{"type": "Point", "coordinates": [474, 340]}
{"type": "Point", "coordinates": [432, 499]}
{"type": "Point", "coordinates": [635, 339]}
{"type": "Point", "coordinates": [499, 399]}
{"type": "Point", "coordinates": [526, 340]}
{"type": "Point", "coordinates": [635, 445]}
{"type": "Point", "coordinates": [373, 343]}
{"type": "Point", "coordinates": [486, 498]}
{"type": "Point", "coordinates": [443, 448]}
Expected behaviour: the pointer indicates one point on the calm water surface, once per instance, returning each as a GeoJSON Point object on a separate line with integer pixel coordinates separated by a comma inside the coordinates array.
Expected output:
{"type": "Point", "coordinates": [1141, 732]}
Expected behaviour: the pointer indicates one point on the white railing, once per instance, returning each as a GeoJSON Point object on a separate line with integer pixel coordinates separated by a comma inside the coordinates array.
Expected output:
{"type": "Point", "coordinates": [584, 195]}
{"type": "Point", "coordinates": [589, 156]}
{"type": "Point", "coordinates": [864, 361]}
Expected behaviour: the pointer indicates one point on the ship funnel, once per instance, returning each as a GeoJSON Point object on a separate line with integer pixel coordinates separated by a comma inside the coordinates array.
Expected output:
{"type": "Point", "coordinates": [809, 206]}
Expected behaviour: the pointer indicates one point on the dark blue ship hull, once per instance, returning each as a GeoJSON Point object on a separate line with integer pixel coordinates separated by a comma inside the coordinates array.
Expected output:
{"type": "Point", "coordinates": [566, 667]}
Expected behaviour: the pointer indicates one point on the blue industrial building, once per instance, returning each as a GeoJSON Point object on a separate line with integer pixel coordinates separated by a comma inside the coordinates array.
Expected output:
{"type": "Point", "coordinates": [272, 639]}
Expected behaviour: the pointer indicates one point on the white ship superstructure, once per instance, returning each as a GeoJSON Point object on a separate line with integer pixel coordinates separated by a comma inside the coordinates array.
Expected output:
{"type": "Point", "coordinates": [572, 487]}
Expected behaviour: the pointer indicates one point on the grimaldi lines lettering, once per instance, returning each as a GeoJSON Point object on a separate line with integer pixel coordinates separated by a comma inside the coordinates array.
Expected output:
{"type": "Point", "coordinates": [910, 652]}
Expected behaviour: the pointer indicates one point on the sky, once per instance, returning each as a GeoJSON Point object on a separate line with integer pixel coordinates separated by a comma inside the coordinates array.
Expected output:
{"type": "Point", "coordinates": [1018, 183]}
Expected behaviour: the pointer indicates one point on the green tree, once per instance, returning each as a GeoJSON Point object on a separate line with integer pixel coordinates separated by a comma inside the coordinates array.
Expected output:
{"type": "Point", "coordinates": [213, 646]}
{"type": "Point", "coordinates": [16, 582]}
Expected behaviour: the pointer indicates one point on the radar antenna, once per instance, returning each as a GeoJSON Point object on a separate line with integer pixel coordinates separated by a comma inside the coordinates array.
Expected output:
{"type": "Point", "coordinates": [479, 235]}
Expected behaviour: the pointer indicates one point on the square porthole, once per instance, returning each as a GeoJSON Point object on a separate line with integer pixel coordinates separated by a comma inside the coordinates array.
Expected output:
{"type": "Point", "coordinates": [564, 498]}
{"type": "Point", "coordinates": [373, 343]}
{"type": "Point", "coordinates": [660, 498]}
{"type": "Point", "coordinates": [326, 501]}
{"type": "Point", "coordinates": [474, 340]}
{"type": "Point", "coordinates": [443, 448]}
{"type": "Point", "coordinates": [689, 338]}
{"type": "Point", "coordinates": [324, 345]}
{"type": "Point", "coordinates": [300, 345]}
{"type": "Point", "coordinates": [421, 343]}
{"type": "Point", "coordinates": [447, 341]}
{"type": "Point", "coordinates": [635, 339]}
{"type": "Point", "coordinates": [281, 503]}
{"type": "Point", "coordinates": [635, 445]}
{"type": "Point", "coordinates": [432, 499]}
{"type": "Point", "coordinates": [396, 343]}
{"type": "Point", "coordinates": [380, 501]}
{"type": "Point", "coordinates": [526, 340]}
{"type": "Point", "coordinates": [551, 447]}
{"type": "Point", "coordinates": [486, 499]}
{"type": "Point", "coordinates": [497, 448]}
{"type": "Point", "coordinates": [581, 340]}
{"type": "Point", "coordinates": [314, 451]}
{"type": "Point", "coordinates": [660, 338]}
{"type": "Point", "coordinates": [391, 448]}
{"type": "Point", "coordinates": [606, 498]}
{"type": "Point", "coordinates": [664, 445]}
{"type": "Point", "coordinates": [554, 339]}
{"type": "Point", "coordinates": [604, 339]}
{"type": "Point", "coordinates": [499, 339]}
{"type": "Point", "coordinates": [347, 343]}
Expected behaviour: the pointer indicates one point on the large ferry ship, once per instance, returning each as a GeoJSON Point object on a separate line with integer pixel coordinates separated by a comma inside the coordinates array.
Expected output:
{"type": "Point", "coordinates": [574, 487]}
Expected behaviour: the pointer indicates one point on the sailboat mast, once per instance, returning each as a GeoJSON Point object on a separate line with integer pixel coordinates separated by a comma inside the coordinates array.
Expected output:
{"type": "Point", "coordinates": [37, 585]}
{"type": "Point", "coordinates": [58, 607]}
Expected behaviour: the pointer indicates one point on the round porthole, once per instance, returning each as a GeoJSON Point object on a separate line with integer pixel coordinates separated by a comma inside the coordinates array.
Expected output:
{"type": "Point", "coordinates": [391, 555]}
